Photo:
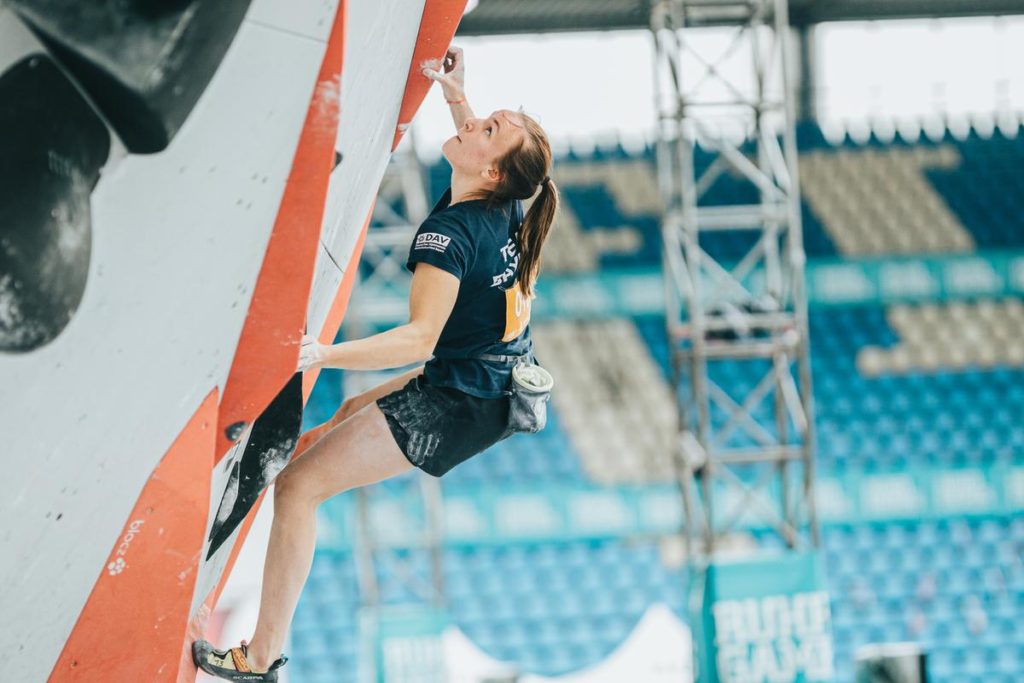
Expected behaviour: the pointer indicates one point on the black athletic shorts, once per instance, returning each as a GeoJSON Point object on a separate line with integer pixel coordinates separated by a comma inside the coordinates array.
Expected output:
{"type": "Point", "coordinates": [439, 427]}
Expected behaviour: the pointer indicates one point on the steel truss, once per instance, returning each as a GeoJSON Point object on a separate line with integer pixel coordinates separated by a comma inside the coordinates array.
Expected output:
{"type": "Point", "coordinates": [384, 281]}
{"type": "Point", "coordinates": [746, 458]}
{"type": "Point", "coordinates": [379, 544]}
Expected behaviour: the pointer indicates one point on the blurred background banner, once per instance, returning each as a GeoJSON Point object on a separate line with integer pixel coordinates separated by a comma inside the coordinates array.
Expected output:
{"type": "Point", "coordinates": [766, 620]}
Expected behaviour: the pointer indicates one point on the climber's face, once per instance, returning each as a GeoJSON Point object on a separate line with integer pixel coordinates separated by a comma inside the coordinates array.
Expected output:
{"type": "Point", "coordinates": [476, 148]}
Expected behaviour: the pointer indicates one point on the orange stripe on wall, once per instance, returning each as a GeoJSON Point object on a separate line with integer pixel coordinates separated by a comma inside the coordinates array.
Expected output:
{"type": "Point", "coordinates": [437, 28]}
{"type": "Point", "coordinates": [268, 348]}
{"type": "Point", "coordinates": [131, 626]}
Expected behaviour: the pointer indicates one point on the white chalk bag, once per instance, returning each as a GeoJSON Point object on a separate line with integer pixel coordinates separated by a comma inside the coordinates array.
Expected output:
{"type": "Point", "coordinates": [531, 391]}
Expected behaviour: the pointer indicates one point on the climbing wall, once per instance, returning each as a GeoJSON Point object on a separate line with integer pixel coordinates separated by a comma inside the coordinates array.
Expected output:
{"type": "Point", "coordinates": [184, 190]}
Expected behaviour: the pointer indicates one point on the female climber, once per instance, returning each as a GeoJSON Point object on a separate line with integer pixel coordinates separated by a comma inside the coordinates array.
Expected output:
{"type": "Point", "coordinates": [475, 260]}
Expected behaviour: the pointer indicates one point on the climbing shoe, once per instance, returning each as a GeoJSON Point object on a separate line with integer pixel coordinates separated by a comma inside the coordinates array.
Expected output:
{"type": "Point", "coordinates": [231, 664]}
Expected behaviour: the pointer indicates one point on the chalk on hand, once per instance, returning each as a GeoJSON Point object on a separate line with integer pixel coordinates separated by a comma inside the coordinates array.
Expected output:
{"type": "Point", "coordinates": [431, 68]}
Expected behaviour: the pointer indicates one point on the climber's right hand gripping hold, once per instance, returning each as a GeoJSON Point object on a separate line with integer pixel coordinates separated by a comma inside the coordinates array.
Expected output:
{"type": "Point", "coordinates": [453, 79]}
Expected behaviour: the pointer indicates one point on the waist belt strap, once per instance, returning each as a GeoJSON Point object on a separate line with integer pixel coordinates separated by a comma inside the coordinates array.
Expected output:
{"type": "Point", "coordinates": [498, 357]}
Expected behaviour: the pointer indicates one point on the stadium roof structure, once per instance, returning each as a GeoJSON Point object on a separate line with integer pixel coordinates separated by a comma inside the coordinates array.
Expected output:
{"type": "Point", "coordinates": [492, 17]}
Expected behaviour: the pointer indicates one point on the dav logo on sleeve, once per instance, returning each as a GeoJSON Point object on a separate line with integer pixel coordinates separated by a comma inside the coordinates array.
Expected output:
{"type": "Point", "coordinates": [432, 240]}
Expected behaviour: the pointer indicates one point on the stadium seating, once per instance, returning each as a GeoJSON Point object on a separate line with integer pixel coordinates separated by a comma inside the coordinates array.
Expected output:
{"type": "Point", "coordinates": [919, 196]}
{"type": "Point", "coordinates": [955, 585]}
{"type": "Point", "coordinates": [935, 384]}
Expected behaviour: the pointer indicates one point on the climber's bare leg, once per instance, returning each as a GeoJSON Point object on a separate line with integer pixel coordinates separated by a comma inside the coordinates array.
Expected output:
{"type": "Point", "coordinates": [357, 450]}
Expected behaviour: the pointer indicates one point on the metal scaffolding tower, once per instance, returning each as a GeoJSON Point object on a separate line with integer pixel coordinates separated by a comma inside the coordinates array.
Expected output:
{"type": "Point", "coordinates": [384, 542]}
{"type": "Point", "coordinates": [381, 294]}
{"type": "Point", "coordinates": [746, 458]}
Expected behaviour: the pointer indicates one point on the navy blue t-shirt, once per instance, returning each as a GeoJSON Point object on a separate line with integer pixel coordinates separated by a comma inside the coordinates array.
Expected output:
{"type": "Point", "coordinates": [491, 315]}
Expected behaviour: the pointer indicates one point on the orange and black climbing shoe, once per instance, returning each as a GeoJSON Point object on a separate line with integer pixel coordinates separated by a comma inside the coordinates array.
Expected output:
{"type": "Point", "coordinates": [231, 664]}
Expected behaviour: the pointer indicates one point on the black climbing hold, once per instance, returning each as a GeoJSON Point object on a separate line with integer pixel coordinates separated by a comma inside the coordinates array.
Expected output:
{"type": "Point", "coordinates": [54, 146]}
{"type": "Point", "coordinates": [273, 438]}
{"type": "Point", "coordinates": [235, 430]}
{"type": "Point", "coordinates": [143, 62]}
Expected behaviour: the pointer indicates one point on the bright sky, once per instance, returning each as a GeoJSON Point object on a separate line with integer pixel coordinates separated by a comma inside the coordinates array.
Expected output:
{"type": "Point", "coordinates": [597, 86]}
